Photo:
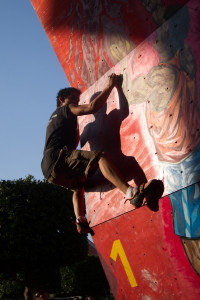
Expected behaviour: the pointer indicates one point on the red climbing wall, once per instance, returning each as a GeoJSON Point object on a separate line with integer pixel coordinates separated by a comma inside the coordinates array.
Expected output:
{"type": "Point", "coordinates": [151, 130]}
{"type": "Point", "coordinates": [143, 258]}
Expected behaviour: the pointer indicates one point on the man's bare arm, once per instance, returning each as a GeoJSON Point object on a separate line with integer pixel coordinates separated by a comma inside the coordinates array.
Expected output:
{"type": "Point", "coordinates": [98, 102]}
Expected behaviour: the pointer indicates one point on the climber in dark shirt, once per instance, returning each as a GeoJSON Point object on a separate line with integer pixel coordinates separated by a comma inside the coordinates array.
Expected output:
{"type": "Point", "coordinates": [63, 165]}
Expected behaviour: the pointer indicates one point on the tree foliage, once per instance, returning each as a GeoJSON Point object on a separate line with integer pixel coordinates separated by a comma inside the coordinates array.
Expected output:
{"type": "Point", "coordinates": [36, 233]}
{"type": "Point", "coordinates": [90, 278]}
{"type": "Point", "coordinates": [10, 289]}
{"type": "Point", "coordinates": [85, 278]}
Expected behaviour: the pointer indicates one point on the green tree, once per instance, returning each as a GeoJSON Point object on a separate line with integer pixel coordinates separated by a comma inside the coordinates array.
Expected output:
{"type": "Point", "coordinates": [90, 278]}
{"type": "Point", "coordinates": [68, 279]}
{"type": "Point", "coordinates": [37, 237]}
{"type": "Point", "coordinates": [86, 278]}
{"type": "Point", "coordinates": [10, 289]}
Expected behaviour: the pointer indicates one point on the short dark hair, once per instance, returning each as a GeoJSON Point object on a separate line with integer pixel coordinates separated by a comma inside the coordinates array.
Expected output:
{"type": "Point", "coordinates": [66, 92]}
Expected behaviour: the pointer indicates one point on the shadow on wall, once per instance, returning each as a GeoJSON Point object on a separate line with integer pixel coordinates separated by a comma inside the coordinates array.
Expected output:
{"type": "Point", "coordinates": [103, 134]}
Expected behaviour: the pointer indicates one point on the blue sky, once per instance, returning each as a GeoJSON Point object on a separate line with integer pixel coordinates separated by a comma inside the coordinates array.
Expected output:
{"type": "Point", "coordinates": [30, 77]}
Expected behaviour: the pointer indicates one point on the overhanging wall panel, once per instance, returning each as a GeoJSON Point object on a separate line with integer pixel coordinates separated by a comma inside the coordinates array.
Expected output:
{"type": "Point", "coordinates": [157, 119]}
{"type": "Point", "coordinates": [89, 37]}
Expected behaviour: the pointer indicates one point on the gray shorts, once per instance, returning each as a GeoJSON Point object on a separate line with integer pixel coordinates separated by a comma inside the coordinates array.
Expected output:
{"type": "Point", "coordinates": [73, 167]}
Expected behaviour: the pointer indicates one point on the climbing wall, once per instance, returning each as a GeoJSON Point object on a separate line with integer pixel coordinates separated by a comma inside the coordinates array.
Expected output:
{"type": "Point", "coordinates": [150, 130]}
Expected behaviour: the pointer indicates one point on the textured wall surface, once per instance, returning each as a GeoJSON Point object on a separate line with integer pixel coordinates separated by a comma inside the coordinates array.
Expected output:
{"type": "Point", "coordinates": [151, 130]}
{"type": "Point", "coordinates": [143, 258]}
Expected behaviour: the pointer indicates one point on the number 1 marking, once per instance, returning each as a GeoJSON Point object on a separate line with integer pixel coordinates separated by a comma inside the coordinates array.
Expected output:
{"type": "Point", "coordinates": [117, 249]}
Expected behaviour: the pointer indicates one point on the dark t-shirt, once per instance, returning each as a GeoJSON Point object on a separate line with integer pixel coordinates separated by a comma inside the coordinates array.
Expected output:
{"type": "Point", "coordinates": [61, 131]}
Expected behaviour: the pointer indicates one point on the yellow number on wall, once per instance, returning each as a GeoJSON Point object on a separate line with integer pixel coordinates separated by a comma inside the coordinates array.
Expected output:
{"type": "Point", "coordinates": [117, 249]}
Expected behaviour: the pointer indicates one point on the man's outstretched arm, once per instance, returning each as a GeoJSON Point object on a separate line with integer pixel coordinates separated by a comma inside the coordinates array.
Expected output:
{"type": "Point", "coordinates": [98, 102]}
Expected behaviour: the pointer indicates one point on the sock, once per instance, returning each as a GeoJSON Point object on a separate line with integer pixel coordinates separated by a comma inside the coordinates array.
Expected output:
{"type": "Point", "coordinates": [81, 219]}
{"type": "Point", "coordinates": [130, 192]}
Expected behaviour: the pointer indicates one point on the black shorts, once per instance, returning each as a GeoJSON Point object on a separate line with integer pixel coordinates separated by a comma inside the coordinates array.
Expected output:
{"type": "Point", "coordinates": [73, 167]}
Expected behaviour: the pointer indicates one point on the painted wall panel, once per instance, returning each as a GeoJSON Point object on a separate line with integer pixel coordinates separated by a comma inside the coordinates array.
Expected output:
{"type": "Point", "coordinates": [155, 256]}
{"type": "Point", "coordinates": [90, 37]}
{"type": "Point", "coordinates": [151, 130]}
